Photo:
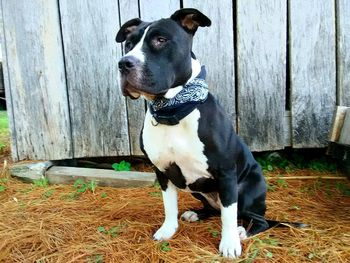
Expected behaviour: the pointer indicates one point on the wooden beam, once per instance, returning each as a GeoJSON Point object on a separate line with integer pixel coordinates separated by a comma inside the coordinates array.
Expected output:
{"type": "Point", "coordinates": [103, 177]}
{"type": "Point", "coordinates": [338, 122]}
{"type": "Point", "coordinates": [344, 137]}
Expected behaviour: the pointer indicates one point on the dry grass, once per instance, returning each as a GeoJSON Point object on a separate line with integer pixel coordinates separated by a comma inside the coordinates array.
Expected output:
{"type": "Point", "coordinates": [52, 224]}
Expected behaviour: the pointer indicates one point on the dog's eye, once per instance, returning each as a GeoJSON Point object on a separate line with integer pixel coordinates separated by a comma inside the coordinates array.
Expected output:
{"type": "Point", "coordinates": [159, 42]}
{"type": "Point", "coordinates": [162, 39]}
{"type": "Point", "coordinates": [128, 45]}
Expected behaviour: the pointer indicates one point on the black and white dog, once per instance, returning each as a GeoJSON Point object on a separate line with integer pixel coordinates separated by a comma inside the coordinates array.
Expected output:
{"type": "Point", "coordinates": [186, 134]}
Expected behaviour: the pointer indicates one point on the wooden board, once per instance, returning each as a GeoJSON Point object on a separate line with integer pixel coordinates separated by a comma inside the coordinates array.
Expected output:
{"type": "Point", "coordinates": [343, 52]}
{"type": "Point", "coordinates": [345, 132]}
{"type": "Point", "coordinates": [35, 80]}
{"type": "Point", "coordinates": [312, 69]}
{"type": "Point", "coordinates": [214, 47]}
{"type": "Point", "coordinates": [129, 9]}
{"type": "Point", "coordinates": [261, 51]}
{"type": "Point", "coordinates": [337, 123]}
{"type": "Point", "coordinates": [103, 177]}
{"type": "Point", "coordinates": [98, 109]}
{"type": "Point", "coordinates": [151, 10]}
{"type": "Point", "coordinates": [6, 78]}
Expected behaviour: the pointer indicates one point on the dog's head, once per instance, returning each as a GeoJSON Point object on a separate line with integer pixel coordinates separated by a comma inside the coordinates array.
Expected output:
{"type": "Point", "coordinates": [158, 54]}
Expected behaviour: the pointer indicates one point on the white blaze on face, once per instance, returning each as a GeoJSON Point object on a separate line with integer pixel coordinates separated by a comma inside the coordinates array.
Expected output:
{"type": "Point", "coordinates": [137, 50]}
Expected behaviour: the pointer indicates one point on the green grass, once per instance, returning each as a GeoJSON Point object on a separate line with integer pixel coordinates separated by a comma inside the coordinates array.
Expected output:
{"type": "Point", "coordinates": [4, 130]}
{"type": "Point", "coordinates": [295, 160]}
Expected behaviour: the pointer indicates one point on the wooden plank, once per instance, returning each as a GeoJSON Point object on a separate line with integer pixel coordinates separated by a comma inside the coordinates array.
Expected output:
{"type": "Point", "coordinates": [129, 9]}
{"type": "Point", "coordinates": [337, 123]}
{"type": "Point", "coordinates": [214, 47]}
{"type": "Point", "coordinates": [36, 80]}
{"type": "Point", "coordinates": [151, 10]}
{"type": "Point", "coordinates": [343, 52]}
{"type": "Point", "coordinates": [312, 70]}
{"type": "Point", "coordinates": [103, 177]}
{"type": "Point", "coordinates": [6, 78]}
{"type": "Point", "coordinates": [98, 109]}
{"type": "Point", "coordinates": [261, 51]}
{"type": "Point", "coordinates": [345, 132]}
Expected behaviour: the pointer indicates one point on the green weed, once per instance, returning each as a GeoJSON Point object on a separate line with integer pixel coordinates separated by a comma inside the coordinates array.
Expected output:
{"type": "Point", "coordinates": [122, 166]}
{"type": "Point", "coordinates": [214, 233]}
{"type": "Point", "coordinates": [343, 188]}
{"type": "Point", "coordinates": [112, 232]}
{"type": "Point", "coordinates": [155, 194]}
{"type": "Point", "coordinates": [165, 246]}
{"type": "Point", "coordinates": [295, 160]}
{"type": "Point", "coordinates": [157, 185]}
{"type": "Point", "coordinates": [4, 131]}
{"type": "Point", "coordinates": [282, 183]}
{"type": "Point", "coordinates": [48, 193]}
{"type": "Point", "coordinates": [322, 165]}
{"type": "Point", "coordinates": [43, 182]}
{"type": "Point", "coordinates": [260, 245]}
{"type": "Point", "coordinates": [81, 186]}
{"type": "Point", "coordinates": [98, 258]}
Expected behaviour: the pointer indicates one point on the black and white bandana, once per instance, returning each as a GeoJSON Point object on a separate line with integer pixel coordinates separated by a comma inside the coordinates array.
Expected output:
{"type": "Point", "coordinates": [171, 111]}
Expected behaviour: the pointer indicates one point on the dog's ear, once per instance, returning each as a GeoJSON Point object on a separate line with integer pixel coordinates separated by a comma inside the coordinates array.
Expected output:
{"type": "Point", "coordinates": [126, 29]}
{"type": "Point", "coordinates": [190, 19]}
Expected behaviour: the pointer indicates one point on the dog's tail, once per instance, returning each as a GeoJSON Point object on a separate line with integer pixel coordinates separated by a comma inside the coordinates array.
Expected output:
{"type": "Point", "coordinates": [273, 223]}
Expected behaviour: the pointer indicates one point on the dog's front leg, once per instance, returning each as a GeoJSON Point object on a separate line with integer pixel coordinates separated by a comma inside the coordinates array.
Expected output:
{"type": "Point", "coordinates": [168, 229]}
{"type": "Point", "coordinates": [230, 245]}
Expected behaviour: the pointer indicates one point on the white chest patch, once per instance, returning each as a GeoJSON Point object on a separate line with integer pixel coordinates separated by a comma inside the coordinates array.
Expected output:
{"type": "Point", "coordinates": [178, 144]}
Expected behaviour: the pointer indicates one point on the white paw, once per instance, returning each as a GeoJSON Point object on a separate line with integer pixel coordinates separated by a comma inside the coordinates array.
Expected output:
{"type": "Point", "coordinates": [190, 216]}
{"type": "Point", "coordinates": [230, 247]}
{"type": "Point", "coordinates": [242, 233]}
{"type": "Point", "coordinates": [165, 232]}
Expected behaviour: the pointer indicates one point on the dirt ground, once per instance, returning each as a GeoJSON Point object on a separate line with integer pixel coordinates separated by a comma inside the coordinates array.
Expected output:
{"type": "Point", "coordinates": [55, 223]}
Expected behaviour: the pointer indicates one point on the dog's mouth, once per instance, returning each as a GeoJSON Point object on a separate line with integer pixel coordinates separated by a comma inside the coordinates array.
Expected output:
{"type": "Point", "coordinates": [133, 91]}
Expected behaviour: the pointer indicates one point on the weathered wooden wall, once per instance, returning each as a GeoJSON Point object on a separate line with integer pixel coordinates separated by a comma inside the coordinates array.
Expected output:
{"type": "Point", "coordinates": [97, 109]}
{"type": "Point", "coordinates": [261, 63]}
{"type": "Point", "coordinates": [35, 80]}
{"type": "Point", "coordinates": [278, 68]}
{"type": "Point", "coordinates": [313, 69]}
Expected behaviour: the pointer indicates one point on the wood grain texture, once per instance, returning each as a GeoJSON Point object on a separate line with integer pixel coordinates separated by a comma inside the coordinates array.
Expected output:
{"type": "Point", "coordinates": [8, 92]}
{"type": "Point", "coordinates": [129, 9]}
{"type": "Point", "coordinates": [214, 47]}
{"type": "Point", "coordinates": [312, 69]}
{"type": "Point", "coordinates": [261, 48]}
{"type": "Point", "coordinates": [343, 52]}
{"type": "Point", "coordinates": [36, 80]}
{"type": "Point", "coordinates": [151, 10]}
{"type": "Point", "coordinates": [337, 123]}
{"type": "Point", "coordinates": [102, 177]}
{"type": "Point", "coordinates": [98, 109]}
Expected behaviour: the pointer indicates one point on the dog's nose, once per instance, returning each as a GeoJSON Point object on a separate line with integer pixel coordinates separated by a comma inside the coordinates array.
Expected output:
{"type": "Point", "coordinates": [126, 64]}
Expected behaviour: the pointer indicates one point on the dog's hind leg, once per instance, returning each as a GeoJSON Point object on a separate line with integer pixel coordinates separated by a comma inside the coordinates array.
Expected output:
{"type": "Point", "coordinates": [200, 214]}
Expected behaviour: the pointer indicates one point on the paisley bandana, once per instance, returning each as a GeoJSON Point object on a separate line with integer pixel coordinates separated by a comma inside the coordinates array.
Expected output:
{"type": "Point", "coordinates": [171, 111]}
